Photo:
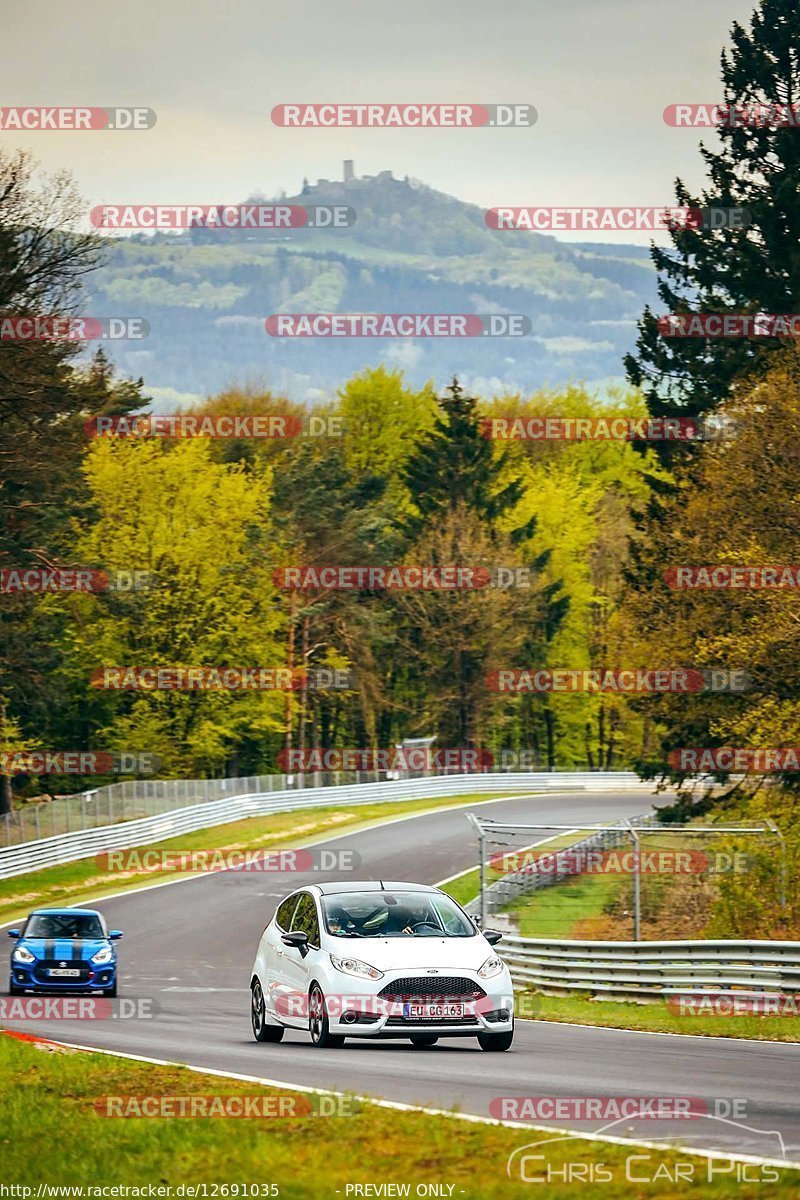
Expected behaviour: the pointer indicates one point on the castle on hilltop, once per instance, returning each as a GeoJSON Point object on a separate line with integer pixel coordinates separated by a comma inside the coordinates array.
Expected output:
{"type": "Point", "coordinates": [348, 176]}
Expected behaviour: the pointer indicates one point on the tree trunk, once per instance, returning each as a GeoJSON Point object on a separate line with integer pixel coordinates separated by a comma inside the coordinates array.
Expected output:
{"type": "Point", "coordinates": [6, 795]}
{"type": "Point", "coordinates": [550, 729]}
{"type": "Point", "coordinates": [301, 724]}
{"type": "Point", "coordinates": [589, 754]}
{"type": "Point", "coordinates": [287, 711]}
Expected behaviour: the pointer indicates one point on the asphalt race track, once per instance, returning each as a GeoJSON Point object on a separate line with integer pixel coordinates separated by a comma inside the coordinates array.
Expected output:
{"type": "Point", "coordinates": [190, 947]}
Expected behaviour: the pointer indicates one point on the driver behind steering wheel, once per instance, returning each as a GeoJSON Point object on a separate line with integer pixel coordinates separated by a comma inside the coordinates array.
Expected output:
{"type": "Point", "coordinates": [416, 915]}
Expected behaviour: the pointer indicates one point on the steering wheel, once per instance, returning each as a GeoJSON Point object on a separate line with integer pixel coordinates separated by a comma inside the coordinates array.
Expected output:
{"type": "Point", "coordinates": [423, 925]}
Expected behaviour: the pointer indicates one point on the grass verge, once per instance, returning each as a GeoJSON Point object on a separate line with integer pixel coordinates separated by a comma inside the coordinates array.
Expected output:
{"type": "Point", "coordinates": [555, 911]}
{"type": "Point", "coordinates": [52, 1134]}
{"type": "Point", "coordinates": [549, 912]}
{"type": "Point", "coordinates": [653, 1017]}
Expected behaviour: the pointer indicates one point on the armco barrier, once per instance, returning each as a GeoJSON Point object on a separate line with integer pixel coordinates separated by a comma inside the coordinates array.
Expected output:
{"type": "Point", "coordinates": [651, 970]}
{"type": "Point", "coordinates": [83, 843]}
{"type": "Point", "coordinates": [134, 799]}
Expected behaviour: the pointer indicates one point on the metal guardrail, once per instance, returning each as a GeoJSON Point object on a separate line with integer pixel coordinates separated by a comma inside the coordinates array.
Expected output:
{"type": "Point", "coordinates": [83, 843]}
{"type": "Point", "coordinates": [645, 969]}
{"type": "Point", "coordinates": [132, 799]}
{"type": "Point", "coordinates": [651, 970]}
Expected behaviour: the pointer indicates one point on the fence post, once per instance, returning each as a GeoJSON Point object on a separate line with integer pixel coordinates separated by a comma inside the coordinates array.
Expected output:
{"type": "Point", "coordinates": [473, 820]}
{"type": "Point", "coordinates": [782, 842]}
{"type": "Point", "coordinates": [637, 882]}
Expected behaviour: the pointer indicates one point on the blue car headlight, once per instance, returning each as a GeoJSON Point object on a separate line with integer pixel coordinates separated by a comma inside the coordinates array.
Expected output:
{"type": "Point", "coordinates": [103, 956]}
{"type": "Point", "coordinates": [23, 955]}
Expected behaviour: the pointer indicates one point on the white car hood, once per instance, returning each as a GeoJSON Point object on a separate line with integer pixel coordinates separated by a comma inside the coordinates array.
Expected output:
{"type": "Point", "coordinates": [409, 954]}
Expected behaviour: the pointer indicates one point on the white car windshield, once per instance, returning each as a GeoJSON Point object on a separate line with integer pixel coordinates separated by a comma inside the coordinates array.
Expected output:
{"type": "Point", "coordinates": [394, 914]}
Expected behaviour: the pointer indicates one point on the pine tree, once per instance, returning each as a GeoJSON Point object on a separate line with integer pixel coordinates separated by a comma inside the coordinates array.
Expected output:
{"type": "Point", "coordinates": [756, 269]}
{"type": "Point", "coordinates": [454, 465]}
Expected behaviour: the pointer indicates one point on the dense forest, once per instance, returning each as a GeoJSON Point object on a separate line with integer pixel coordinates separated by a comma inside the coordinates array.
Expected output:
{"type": "Point", "coordinates": [397, 473]}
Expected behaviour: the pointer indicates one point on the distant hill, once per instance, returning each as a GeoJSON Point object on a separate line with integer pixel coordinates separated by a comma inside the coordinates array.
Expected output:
{"type": "Point", "coordinates": [206, 294]}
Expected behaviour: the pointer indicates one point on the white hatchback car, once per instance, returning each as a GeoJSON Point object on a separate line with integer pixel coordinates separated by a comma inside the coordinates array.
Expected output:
{"type": "Point", "coordinates": [379, 960]}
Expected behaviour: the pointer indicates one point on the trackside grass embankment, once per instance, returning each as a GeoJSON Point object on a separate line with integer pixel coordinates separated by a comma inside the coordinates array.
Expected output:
{"type": "Point", "coordinates": [52, 1134]}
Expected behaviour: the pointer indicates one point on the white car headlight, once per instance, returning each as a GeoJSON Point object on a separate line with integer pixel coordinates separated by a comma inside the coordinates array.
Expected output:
{"type": "Point", "coordinates": [103, 955]}
{"type": "Point", "coordinates": [492, 966]}
{"type": "Point", "coordinates": [22, 954]}
{"type": "Point", "coordinates": [354, 966]}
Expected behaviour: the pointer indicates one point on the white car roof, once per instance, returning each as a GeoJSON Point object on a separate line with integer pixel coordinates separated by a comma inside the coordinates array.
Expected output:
{"type": "Point", "coordinates": [370, 885]}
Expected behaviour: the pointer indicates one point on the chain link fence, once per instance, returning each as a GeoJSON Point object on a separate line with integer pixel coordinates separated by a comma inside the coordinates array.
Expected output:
{"type": "Point", "coordinates": [132, 799]}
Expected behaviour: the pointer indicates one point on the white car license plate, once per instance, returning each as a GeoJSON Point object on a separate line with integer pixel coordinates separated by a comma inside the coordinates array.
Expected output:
{"type": "Point", "coordinates": [61, 972]}
{"type": "Point", "coordinates": [433, 1011]}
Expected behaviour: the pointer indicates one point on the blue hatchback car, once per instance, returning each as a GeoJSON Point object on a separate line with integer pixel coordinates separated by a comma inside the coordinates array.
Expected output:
{"type": "Point", "coordinates": [64, 950]}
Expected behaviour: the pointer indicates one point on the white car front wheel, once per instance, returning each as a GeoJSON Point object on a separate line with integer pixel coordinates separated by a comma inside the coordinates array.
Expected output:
{"type": "Point", "coordinates": [318, 1024]}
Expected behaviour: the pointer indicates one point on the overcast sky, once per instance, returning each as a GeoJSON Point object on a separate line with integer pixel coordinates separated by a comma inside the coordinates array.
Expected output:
{"type": "Point", "coordinates": [600, 73]}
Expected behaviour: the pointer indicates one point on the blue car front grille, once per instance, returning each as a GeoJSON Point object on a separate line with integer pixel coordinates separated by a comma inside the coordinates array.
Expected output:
{"type": "Point", "coordinates": [42, 968]}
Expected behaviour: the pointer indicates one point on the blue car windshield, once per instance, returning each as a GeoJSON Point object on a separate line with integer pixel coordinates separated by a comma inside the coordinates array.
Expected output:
{"type": "Point", "coordinates": [64, 925]}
